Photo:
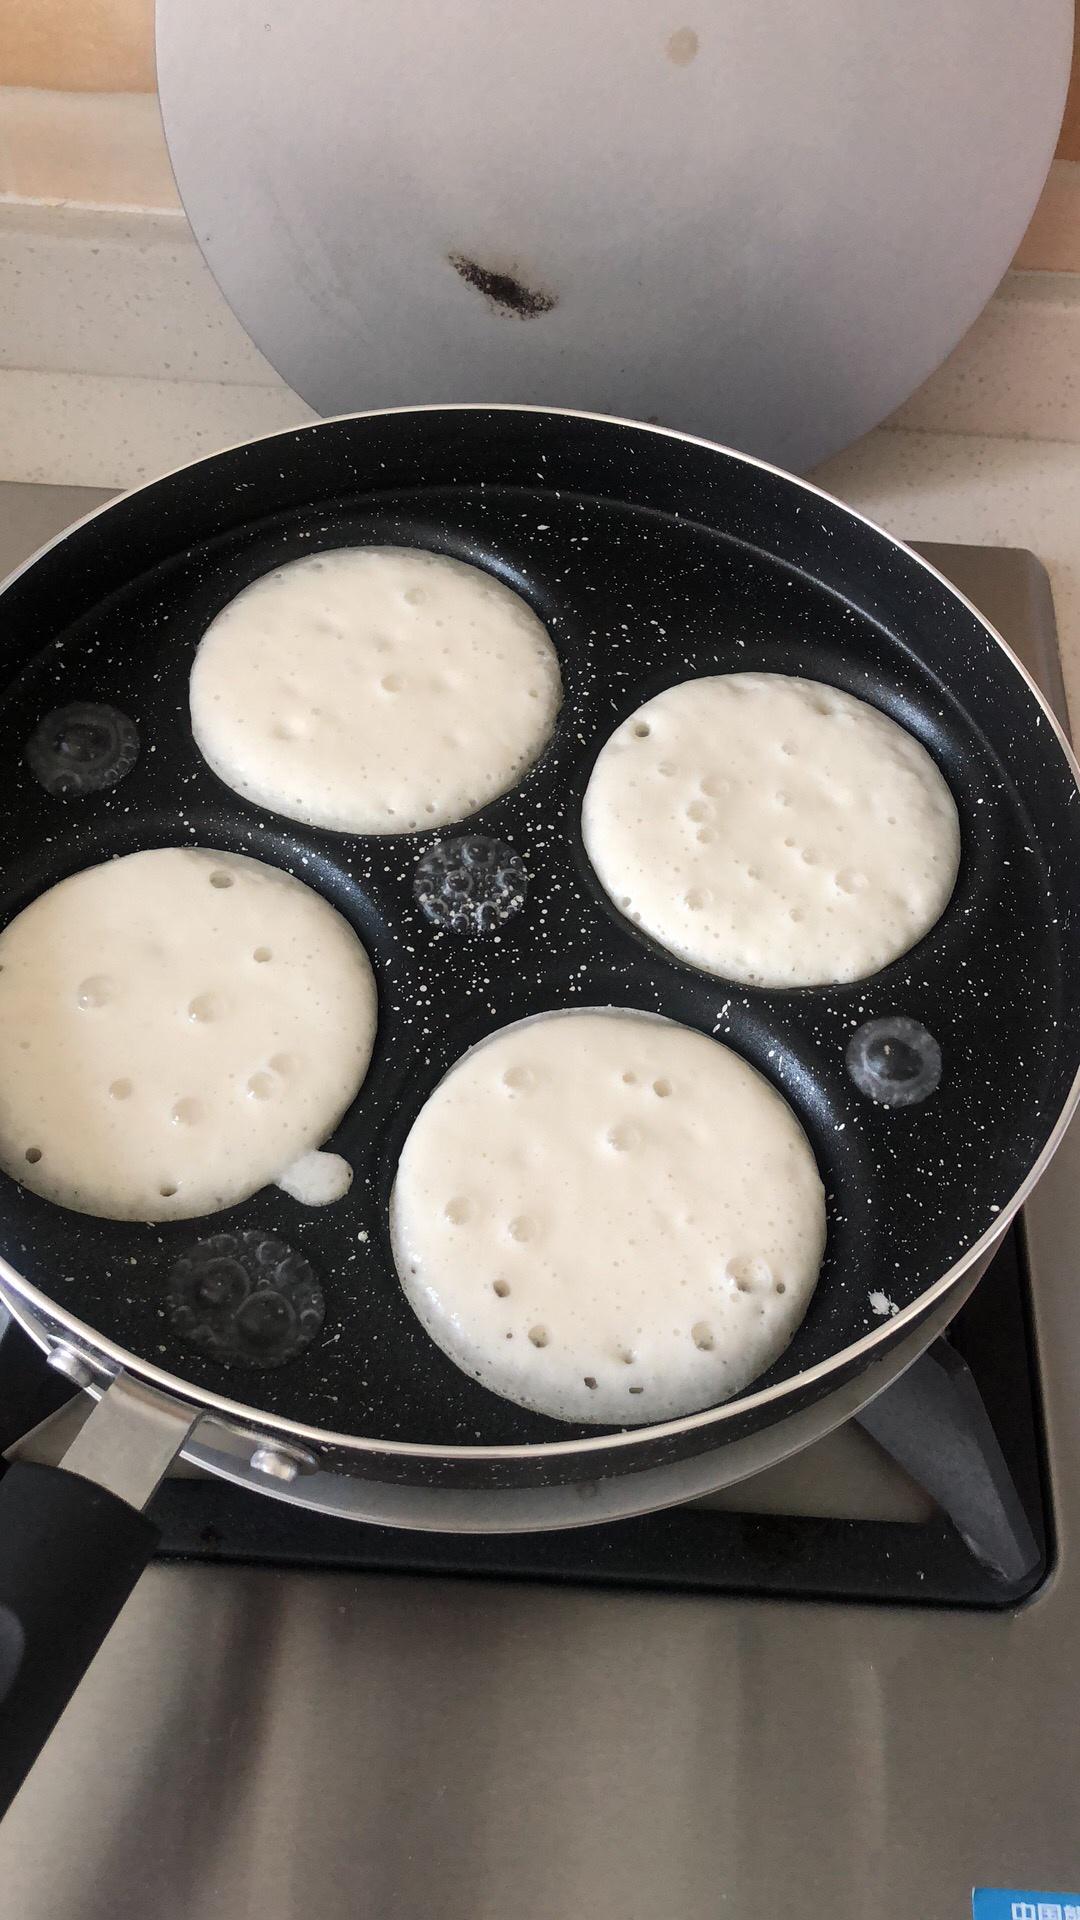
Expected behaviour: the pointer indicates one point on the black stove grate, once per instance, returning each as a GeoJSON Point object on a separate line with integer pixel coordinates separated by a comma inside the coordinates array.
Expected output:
{"type": "Point", "coordinates": [966, 1419]}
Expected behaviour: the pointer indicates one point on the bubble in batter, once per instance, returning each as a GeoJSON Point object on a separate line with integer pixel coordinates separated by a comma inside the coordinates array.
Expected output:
{"type": "Point", "coordinates": [608, 1217]}
{"type": "Point", "coordinates": [374, 690]}
{"type": "Point", "coordinates": [772, 830]}
{"type": "Point", "coordinates": [177, 1029]}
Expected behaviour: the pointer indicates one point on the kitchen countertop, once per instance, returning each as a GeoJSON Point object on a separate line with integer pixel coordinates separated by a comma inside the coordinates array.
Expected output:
{"type": "Point", "coordinates": [979, 488]}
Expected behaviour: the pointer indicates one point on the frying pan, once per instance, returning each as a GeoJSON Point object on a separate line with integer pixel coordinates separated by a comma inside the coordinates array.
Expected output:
{"type": "Point", "coordinates": [651, 557]}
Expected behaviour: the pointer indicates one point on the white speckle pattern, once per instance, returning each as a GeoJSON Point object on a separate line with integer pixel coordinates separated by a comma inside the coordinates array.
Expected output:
{"type": "Point", "coordinates": [374, 690]}
{"type": "Point", "coordinates": [140, 1098]}
{"type": "Point", "coordinates": [607, 1217]}
{"type": "Point", "coordinates": [772, 830]}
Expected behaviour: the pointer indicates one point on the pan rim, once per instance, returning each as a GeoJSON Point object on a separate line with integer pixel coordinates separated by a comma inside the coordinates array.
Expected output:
{"type": "Point", "coordinates": [862, 1351]}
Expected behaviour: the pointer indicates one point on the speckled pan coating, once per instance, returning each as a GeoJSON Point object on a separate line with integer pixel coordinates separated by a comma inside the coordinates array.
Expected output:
{"type": "Point", "coordinates": [648, 558]}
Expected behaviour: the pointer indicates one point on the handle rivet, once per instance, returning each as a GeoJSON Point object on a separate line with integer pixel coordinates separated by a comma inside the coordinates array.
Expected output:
{"type": "Point", "coordinates": [282, 1463]}
{"type": "Point", "coordinates": [68, 1361]}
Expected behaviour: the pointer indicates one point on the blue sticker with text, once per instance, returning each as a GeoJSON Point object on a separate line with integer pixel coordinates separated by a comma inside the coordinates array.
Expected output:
{"type": "Point", "coordinates": [1014, 1903]}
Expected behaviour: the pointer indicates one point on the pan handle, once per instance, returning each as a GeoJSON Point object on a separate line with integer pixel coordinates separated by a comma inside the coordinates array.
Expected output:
{"type": "Point", "coordinates": [73, 1542]}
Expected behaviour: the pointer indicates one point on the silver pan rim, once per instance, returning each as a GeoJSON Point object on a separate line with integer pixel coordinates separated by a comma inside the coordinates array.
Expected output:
{"type": "Point", "coordinates": [113, 1359]}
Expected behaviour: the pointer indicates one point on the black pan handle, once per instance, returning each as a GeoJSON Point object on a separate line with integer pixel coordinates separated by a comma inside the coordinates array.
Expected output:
{"type": "Point", "coordinates": [73, 1542]}
{"type": "Point", "coordinates": [70, 1554]}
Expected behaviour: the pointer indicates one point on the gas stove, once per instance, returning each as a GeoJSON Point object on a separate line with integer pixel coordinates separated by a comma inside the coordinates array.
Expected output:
{"type": "Point", "coordinates": [842, 1686]}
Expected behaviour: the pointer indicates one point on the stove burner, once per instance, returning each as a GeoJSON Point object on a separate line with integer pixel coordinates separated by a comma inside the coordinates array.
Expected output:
{"type": "Point", "coordinates": [245, 1299]}
{"type": "Point", "coordinates": [471, 884]}
{"type": "Point", "coordinates": [81, 749]}
{"type": "Point", "coordinates": [894, 1061]}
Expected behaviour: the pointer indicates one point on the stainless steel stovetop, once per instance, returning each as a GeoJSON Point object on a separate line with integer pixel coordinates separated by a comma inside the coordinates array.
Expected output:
{"type": "Point", "coordinates": [255, 1741]}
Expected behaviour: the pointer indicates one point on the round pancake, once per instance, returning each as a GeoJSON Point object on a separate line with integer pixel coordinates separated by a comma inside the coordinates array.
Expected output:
{"type": "Point", "coordinates": [374, 690]}
{"type": "Point", "coordinates": [772, 830]}
{"type": "Point", "coordinates": [608, 1217]}
{"type": "Point", "coordinates": [176, 1029]}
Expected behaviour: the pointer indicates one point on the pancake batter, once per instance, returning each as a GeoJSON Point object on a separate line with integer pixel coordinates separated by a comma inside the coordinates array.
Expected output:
{"type": "Point", "coordinates": [178, 1028]}
{"type": "Point", "coordinates": [608, 1217]}
{"type": "Point", "coordinates": [374, 690]}
{"type": "Point", "coordinates": [772, 830]}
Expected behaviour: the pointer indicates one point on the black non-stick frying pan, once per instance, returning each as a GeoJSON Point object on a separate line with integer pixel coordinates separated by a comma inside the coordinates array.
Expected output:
{"type": "Point", "coordinates": [650, 557]}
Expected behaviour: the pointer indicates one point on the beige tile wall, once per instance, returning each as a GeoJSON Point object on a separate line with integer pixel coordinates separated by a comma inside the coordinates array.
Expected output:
{"type": "Point", "coordinates": [78, 120]}
{"type": "Point", "coordinates": [78, 46]}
